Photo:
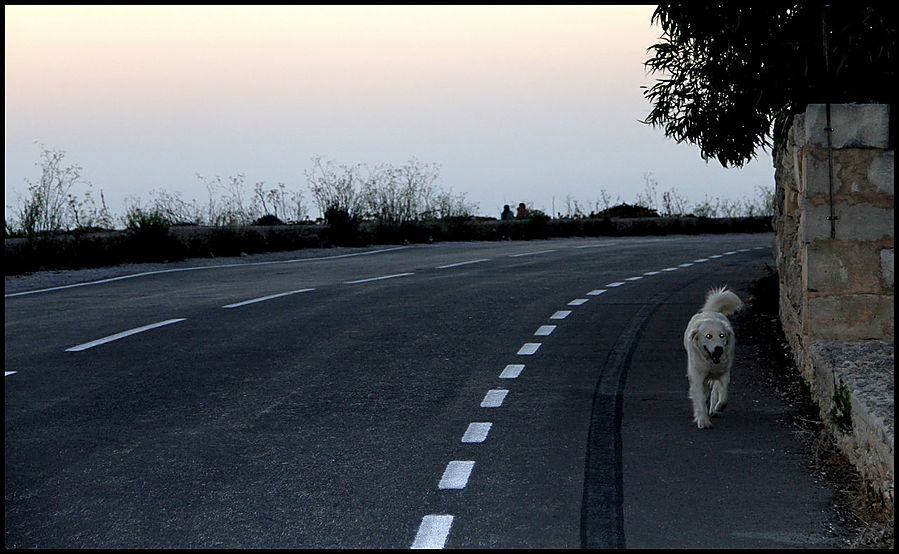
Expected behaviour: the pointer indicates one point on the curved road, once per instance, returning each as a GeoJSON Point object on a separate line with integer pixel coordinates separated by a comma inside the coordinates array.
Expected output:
{"type": "Point", "coordinates": [513, 394]}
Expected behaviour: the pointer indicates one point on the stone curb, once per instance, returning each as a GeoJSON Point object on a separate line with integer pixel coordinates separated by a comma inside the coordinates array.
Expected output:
{"type": "Point", "coordinates": [853, 385]}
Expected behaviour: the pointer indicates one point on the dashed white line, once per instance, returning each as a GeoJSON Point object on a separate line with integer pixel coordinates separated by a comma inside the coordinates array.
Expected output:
{"type": "Point", "coordinates": [377, 278]}
{"type": "Point", "coordinates": [476, 432]}
{"type": "Point", "coordinates": [463, 263]}
{"type": "Point", "coordinates": [245, 302]}
{"type": "Point", "coordinates": [456, 475]}
{"type": "Point", "coordinates": [531, 253]}
{"type": "Point", "coordinates": [8, 373]}
{"type": "Point", "coordinates": [123, 334]}
{"type": "Point", "coordinates": [433, 531]}
{"type": "Point", "coordinates": [494, 398]}
{"type": "Point", "coordinates": [528, 348]}
{"type": "Point", "coordinates": [511, 371]}
{"type": "Point", "coordinates": [434, 528]}
{"type": "Point", "coordinates": [729, 253]}
{"type": "Point", "coordinates": [161, 271]}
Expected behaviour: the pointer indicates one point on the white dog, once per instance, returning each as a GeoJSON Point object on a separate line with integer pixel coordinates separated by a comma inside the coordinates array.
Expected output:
{"type": "Point", "coordinates": [709, 341]}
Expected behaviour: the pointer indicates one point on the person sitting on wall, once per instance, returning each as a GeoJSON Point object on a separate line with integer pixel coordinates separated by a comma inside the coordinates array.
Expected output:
{"type": "Point", "coordinates": [507, 213]}
{"type": "Point", "coordinates": [522, 211]}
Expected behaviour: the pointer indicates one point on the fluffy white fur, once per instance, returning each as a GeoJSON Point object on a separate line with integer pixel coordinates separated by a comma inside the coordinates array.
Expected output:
{"type": "Point", "coordinates": [709, 341]}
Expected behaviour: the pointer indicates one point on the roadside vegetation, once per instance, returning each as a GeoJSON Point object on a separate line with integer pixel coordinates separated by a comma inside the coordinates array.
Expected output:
{"type": "Point", "coordinates": [59, 223]}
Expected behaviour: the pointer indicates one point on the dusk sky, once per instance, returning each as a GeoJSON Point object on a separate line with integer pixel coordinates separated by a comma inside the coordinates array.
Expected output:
{"type": "Point", "coordinates": [515, 103]}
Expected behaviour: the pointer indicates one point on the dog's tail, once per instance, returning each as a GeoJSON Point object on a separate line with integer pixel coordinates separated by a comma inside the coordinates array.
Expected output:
{"type": "Point", "coordinates": [722, 300]}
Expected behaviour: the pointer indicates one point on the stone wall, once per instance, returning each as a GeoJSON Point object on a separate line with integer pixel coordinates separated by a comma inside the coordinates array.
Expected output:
{"type": "Point", "coordinates": [836, 274]}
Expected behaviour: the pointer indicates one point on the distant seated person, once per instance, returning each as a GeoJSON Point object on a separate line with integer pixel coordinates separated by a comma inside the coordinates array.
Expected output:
{"type": "Point", "coordinates": [522, 211]}
{"type": "Point", "coordinates": [507, 213]}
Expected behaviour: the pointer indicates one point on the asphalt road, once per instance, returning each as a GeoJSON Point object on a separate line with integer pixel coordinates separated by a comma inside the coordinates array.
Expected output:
{"type": "Point", "coordinates": [458, 395]}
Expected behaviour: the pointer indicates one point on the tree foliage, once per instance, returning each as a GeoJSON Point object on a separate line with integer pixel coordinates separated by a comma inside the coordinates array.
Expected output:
{"type": "Point", "coordinates": [734, 73]}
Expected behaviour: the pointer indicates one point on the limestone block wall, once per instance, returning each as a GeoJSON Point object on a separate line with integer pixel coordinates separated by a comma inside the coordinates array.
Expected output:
{"type": "Point", "coordinates": [838, 287]}
{"type": "Point", "coordinates": [836, 292]}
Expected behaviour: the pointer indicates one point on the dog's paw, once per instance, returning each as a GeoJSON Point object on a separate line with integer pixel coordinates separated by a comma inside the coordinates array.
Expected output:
{"type": "Point", "coordinates": [718, 410]}
{"type": "Point", "coordinates": [704, 422]}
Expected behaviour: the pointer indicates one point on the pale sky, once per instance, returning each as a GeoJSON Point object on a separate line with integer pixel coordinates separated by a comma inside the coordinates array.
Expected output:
{"type": "Point", "coordinates": [515, 103]}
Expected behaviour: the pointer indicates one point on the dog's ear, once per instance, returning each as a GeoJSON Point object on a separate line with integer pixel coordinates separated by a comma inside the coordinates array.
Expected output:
{"type": "Point", "coordinates": [693, 334]}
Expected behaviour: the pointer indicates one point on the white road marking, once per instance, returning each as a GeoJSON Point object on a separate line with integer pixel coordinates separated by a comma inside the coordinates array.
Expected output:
{"type": "Point", "coordinates": [743, 250]}
{"type": "Point", "coordinates": [123, 334]}
{"type": "Point", "coordinates": [433, 531]}
{"type": "Point", "coordinates": [729, 253]}
{"type": "Point", "coordinates": [8, 373]}
{"type": "Point", "coordinates": [456, 475]}
{"type": "Point", "coordinates": [528, 348]}
{"type": "Point", "coordinates": [463, 263]}
{"type": "Point", "coordinates": [596, 292]}
{"type": "Point", "coordinates": [245, 302]}
{"type": "Point", "coordinates": [700, 260]}
{"type": "Point", "coordinates": [715, 256]}
{"type": "Point", "coordinates": [634, 278]}
{"type": "Point", "coordinates": [670, 269]}
{"type": "Point", "coordinates": [688, 264]}
{"type": "Point", "coordinates": [651, 273]}
{"type": "Point", "coordinates": [477, 432]}
{"type": "Point", "coordinates": [511, 371]}
{"type": "Point", "coordinates": [494, 398]}
{"type": "Point", "coordinates": [578, 301]}
{"type": "Point", "coordinates": [176, 270]}
{"type": "Point", "coordinates": [377, 278]}
{"type": "Point", "coordinates": [545, 330]}
{"type": "Point", "coordinates": [561, 314]}
{"type": "Point", "coordinates": [531, 253]}
{"type": "Point", "coordinates": [615, 284]}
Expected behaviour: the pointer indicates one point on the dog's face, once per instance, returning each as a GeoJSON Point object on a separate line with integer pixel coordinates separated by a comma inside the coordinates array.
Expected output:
{"type": "Point", "coordinates": [712, 338]}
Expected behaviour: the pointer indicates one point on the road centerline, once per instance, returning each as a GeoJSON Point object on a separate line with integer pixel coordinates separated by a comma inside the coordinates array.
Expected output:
{"type": "Point", "coordinates": [511, 371]}
{"type": "Point", "coordinates": [457, 264]}
{"type": "Point", "coordinates": [476, 432]}
{"type": "Point", "coordinates": [531, 253]}
{"type": "Point", "coordinates": [456, 475]}
{"type": "Point", "coordinates": [494, 398]}
{"type": "Point", "coordinates": [529, 348]}
{"type": "Point", "coordinates": [264, 298]}
{"type": "Point", "coordinates": [381, 278]}
{"type": "Point", "coordinates": [433, 531]}
{"type": "Point", "coordinates": [121, 335]}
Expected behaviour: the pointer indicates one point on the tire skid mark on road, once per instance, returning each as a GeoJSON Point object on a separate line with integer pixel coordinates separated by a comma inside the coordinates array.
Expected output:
{"type": "Point", "coordinates": [433, 532]}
